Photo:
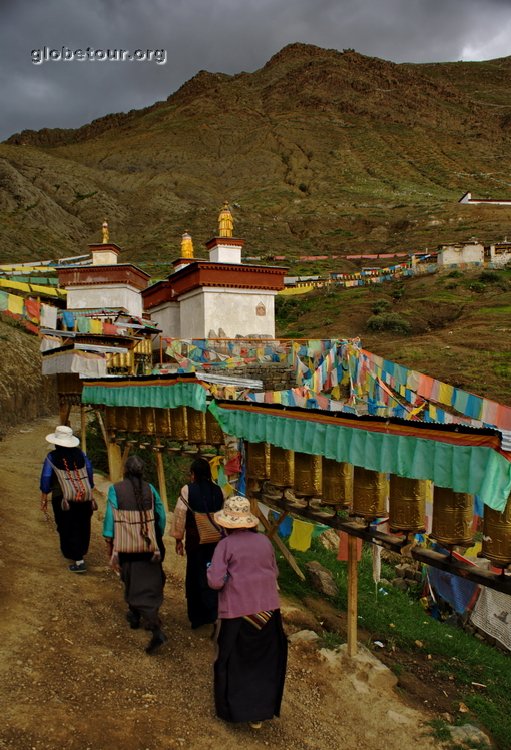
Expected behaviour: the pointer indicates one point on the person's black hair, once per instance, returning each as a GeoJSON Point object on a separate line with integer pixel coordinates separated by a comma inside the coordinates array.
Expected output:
{"type": "Point", "coordinates": [201, 470]}
{"type": "Point", "coordinates": [134, 467]}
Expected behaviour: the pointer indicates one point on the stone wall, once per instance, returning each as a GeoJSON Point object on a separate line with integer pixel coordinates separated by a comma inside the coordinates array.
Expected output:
{"type": "Point", "coordinates": [275, 376]}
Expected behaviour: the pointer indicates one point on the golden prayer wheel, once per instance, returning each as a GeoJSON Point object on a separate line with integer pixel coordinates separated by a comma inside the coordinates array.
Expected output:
{"type": "Point", "coordinates": [214, 434]}
{"type": "Point", "coordinates": [282, 467]}
{"type": "Point", "coordinates": [121, 418]}
{"type": "Point", "coordinates": [111, 418]}
{"type": "Point", "coordinates": [163, 422]}
{"type": "Point", "coordinates": [337, 484]}
{"type": "Point", "coordinates": [258, 461]}
{"type": "Point", "coordinates": [143, 347]}
{"type": "Point", "coordinates": [148, 421]}
{"type": "Point", "coordinates": [179, 424]}
{"type": "Point", "coordinates": [196, 421]}
{"type": "Point", "coordinates": [308, 475]}
{"type": "Point", "coordinates": [370, 490]}
{"type": "Point", "coordinates": [496, 545]}
{"type": "Point", "coordinates": [407, 504]}
{"type": "Point", "coordinates": [452, 517]}
{"type": "Point", "coordinates": [134, 419]}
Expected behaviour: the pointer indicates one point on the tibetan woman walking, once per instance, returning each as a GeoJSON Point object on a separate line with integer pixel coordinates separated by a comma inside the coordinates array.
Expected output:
{"type": "Point", "coordinates": [133, 529]}
{"type": "Point", "coordinates": [250, 668]}
{"type": "Point", "coordinates": [67, 475]}
{"type": "Point", "coordinates": [200, 495]}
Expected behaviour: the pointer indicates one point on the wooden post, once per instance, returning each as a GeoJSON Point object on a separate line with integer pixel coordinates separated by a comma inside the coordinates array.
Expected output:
{"type": "Point", "coordinates": [83, 428]}
{"type": "Point", "coordinates": [160, 470]}
{"type": "Point", "coordinates": [114, 461]}
{"type": "Point", "coordinates": [64, 411]}
{"type": "Point", "coordinates": [102, 427]}
{"type": "Point", "coordinates": [126, 452]}
{"type": "Point", "coordinates": [270, 530]}
{"type": "Point", "coordinates": [352, 622]}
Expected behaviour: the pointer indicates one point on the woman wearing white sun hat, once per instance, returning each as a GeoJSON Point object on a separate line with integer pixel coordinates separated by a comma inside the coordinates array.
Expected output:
{"type": "Point", "coordinates": [250, 668]}
{"type": "Point", "coordinates": [67, 475]}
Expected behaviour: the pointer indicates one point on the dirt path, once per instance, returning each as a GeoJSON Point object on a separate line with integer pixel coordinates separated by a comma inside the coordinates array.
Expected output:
{"type": "Point", "coordinates": [73, 676]}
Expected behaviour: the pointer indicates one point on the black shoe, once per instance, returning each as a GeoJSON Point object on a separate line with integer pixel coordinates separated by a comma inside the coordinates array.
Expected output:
{"type": "Point", "coordinates": [77, 568]}
{"type": "Point", "coordinates": [133, 618]}
{"type": "Point", "coordinates": [156, 641]}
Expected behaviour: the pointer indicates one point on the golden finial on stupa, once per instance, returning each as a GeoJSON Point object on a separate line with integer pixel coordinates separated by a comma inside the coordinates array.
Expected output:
{"type": "Point", "coordinates": [225, 221]}
{"type": "Point", "coordinates": [106, 235]}
{"type": "Point", "coordinates": [186, 245]}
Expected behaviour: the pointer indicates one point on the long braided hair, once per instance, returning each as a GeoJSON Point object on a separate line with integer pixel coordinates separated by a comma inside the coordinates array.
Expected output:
{"type": "Point", "coordinates": [134, 471]}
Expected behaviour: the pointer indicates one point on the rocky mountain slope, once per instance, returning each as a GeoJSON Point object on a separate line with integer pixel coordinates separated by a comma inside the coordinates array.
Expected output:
{"type": "Point", "coordinates": [320, 151]}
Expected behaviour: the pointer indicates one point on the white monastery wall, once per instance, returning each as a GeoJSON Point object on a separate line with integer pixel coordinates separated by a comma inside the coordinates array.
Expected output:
{"type": "Point", "coordinates": [457, 255]}
{"type": "Point", "coordinates": [166, 317]}
{"type": "Point", "coordinates": [191, 315]}
{"type": "Point", "coordinates": [105, 295]}
{"type": "Point", "coordinates": [236, 312]}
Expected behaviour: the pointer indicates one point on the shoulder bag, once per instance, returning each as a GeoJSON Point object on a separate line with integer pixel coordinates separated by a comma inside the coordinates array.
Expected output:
{"type": "Point", "coordinates": [209, 531]}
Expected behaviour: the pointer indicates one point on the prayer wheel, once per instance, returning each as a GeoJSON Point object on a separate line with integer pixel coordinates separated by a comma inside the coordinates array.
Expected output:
{"type": "Point", "coordinates": [407, 504]}
{"type": "Point", "coordinates": [370, 490]}
{"type": "Point", "coordinates": [179, 424]}
{"type": "Point", "coordinates": [148, 421]}
{"type": "Point", "coordinates": [452, 517]}
{"type": "Point", "coordinates": [258, 461]}
{"type": "Point", "coordinates": [196, 421]}
{"type": "Point", "coordinates": [214, 434]}
{"type": "Point", "coordinates": [282, 467]}
{"type": "Point", "coordinates": [337, 485]}
{"type": "Point", "coordinates": [163, 422]}
{"type": "Point", "coordinates": [121, 418]}
{"type": "Point", "coordinates": [307, 475]}
{"type": "Point", "coordinates": [111, 418]}
{"type": "Point", "coordinates": [143, 347]}
{"type": "Point", "coordinates": [496, 545]}
{"type": "Point", "coordinates": [134, 419]}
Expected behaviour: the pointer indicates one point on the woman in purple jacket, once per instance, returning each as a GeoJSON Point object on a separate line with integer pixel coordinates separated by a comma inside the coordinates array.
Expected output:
{"type": "Point", "coordinates": [250, 668]}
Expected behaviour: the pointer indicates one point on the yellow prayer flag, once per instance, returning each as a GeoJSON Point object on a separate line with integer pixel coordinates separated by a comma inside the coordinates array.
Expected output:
{"type": "Point", "coordinates": [445, 393]}
{"type": "Point", "coordinates": [15, 304]}
{"type": "Point", "coordinates": [301, 536]}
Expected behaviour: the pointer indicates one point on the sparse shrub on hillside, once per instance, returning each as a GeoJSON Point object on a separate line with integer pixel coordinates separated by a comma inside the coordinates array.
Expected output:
{"type": "Point", "coordinates": [455, 274]}
{"type": "Point", "coordinates": [398, 291]}
{"type": "Point", "coordinates": [388, 322]}
{"type": "Point", "coordinates": [380, 306]}
{"type": "Point", "coordinates": [477, 286]}
{"type": "Point", "coordinates": [451, 285]}
{"type": "Point", "coordinates": [495, 277]}
{"type": "Point", "coordinates": [489, 277]}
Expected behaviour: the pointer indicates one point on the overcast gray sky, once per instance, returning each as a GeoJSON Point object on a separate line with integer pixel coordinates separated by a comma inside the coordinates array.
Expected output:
{"type": "Point", "coordinates": [215, 35]}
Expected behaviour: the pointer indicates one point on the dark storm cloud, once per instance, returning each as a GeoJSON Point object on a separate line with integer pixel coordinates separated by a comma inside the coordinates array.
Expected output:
{"type": "Point", "coordinates": [217, 35]}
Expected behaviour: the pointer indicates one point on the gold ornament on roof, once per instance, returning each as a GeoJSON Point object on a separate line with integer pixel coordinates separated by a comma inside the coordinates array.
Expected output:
{"type": "Point", "coordinates": [186, 245]}
{"type": "Point", "coordinates": [106, 234]}
{"type": "Point", "coordinates": [225, 221]}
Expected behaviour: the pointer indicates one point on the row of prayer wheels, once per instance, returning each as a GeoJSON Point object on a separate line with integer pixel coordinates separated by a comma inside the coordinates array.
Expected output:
{"type": "Point", "coordinates": [144, 346]}
{"type": "Point", "coordinates": [181, 425]}
{"type": "Point", "coordinates": [372, 494]}
{"type": "Point", "coordinates": [121, 361]}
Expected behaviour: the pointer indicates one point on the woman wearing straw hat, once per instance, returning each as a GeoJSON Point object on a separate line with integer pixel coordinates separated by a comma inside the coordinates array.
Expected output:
{"type": "Point", "coordinates": [67, 475]}
{"type": "Point", "coordinates": [250, 667]}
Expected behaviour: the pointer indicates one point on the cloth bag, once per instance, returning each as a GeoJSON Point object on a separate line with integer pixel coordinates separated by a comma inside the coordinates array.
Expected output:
{"type": "Point", "coordinates": [209, 531]}
{"type": "Point", "coordinates": [75, 486]}
{"type": "Point", "coordinates": [134, 531]}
